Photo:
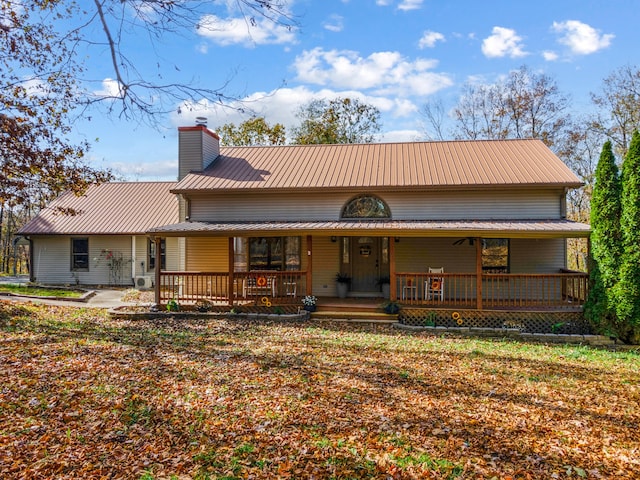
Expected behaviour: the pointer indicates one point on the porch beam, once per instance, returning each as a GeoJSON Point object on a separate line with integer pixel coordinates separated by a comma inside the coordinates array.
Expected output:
{"type": "Point", "coordinates": [479, 273]}
{"type": "Point", "coordinates": [232, 260]}
{"type": "Point", "coordinates": [309, 265]}
{"type": "Point", "coordinates": [158, 267]}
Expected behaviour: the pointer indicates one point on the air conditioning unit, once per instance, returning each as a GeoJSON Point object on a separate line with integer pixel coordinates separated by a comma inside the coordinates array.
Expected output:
{"type": "Point", "coordinates": [144, 282]}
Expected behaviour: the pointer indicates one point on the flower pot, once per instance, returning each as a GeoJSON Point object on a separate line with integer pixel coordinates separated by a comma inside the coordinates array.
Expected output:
{"type": "Point", "coordinates": [309, 308]}
{"type": "Point", "coordinates": [342, 289]}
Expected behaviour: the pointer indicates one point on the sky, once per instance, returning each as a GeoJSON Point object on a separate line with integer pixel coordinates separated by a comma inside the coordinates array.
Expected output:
{"type": "Point", "coordinates": [393, 54]}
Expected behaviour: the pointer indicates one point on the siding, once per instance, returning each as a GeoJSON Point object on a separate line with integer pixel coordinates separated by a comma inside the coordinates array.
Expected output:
{"type": "Point", "coordinates": [326, 263]}
{"type": "Point", "coordinates": [198, 148]}
{"type": "Point", "coordinates": [527, 255]}
{"type": "Point", "coordinates": [52, 261]}
{"type": "Point", "coordinates": [208, 254]}
{"type": "Point", "coordinates": [478, 205]}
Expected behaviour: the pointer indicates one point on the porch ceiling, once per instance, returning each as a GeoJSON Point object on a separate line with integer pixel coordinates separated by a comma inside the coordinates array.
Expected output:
{"type": "Point", "coordinates": [382, 228]}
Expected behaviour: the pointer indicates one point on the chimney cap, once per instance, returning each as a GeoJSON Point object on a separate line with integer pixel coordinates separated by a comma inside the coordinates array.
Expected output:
{"type": "Point", "coordinates": [201, 121]}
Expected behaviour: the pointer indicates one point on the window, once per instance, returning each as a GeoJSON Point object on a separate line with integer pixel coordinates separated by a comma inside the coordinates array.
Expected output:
{"type": "Point", "coordinates": [267, 253]}
{"type": "Point", "coordinates": [152, 254]}
{"type": "Point", "coordinates": [79, 254]}
{"type": "Point", "coordinates": [495, 255]}
{"type": "Point", "coordinates": [366, 206]}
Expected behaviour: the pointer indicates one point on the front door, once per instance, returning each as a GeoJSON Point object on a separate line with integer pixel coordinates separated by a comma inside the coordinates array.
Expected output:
{"type": "Point", "coordinates": [365, 252]}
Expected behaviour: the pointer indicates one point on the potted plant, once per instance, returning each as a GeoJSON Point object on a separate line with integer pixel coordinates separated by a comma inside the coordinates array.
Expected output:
{"type": "Point", "coordinates": [385, 286]}
{"type": "Point", "coordinates": [342, 284]}
{"type": "Point", "coordinates": [391, 307]}
{"type": "Point", "coordinates": [309, 303]}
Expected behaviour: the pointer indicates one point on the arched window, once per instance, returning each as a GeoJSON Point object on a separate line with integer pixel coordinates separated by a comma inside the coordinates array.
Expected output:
{"type": "Point", "coordinates": [366, 206]}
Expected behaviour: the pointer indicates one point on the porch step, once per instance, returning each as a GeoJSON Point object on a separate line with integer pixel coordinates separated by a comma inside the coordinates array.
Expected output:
{"type": "Point", "coordinates": [343, 315]}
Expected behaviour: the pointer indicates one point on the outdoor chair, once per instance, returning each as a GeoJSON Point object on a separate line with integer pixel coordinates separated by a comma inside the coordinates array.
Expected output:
{"type": "Point", "coordinates": [434, 286]}
{"type": "Point", "coordinates": [261, 285]}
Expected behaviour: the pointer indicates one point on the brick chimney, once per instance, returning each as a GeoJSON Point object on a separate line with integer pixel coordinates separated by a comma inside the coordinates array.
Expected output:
{"type": "Point", "coordinates": [198, 147]}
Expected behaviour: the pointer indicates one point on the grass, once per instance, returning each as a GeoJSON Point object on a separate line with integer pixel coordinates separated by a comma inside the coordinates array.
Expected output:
{"type": "Point", "coordinates": [20, 289]}
{"type": "Point", "coordinates": [86, 396]}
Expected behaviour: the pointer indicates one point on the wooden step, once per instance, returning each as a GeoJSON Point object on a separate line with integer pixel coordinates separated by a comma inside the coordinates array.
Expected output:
{"type": "Point", "coordinates": [355, 316]}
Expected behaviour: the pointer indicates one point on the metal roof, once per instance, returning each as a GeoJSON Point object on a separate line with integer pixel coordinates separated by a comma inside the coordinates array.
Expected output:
{"type": "Point", "coordinates": [384, 166]}
{"type": "Point", "coordinates": [119, 208]}
{"type": "Point", "coordinates": [408, 228]}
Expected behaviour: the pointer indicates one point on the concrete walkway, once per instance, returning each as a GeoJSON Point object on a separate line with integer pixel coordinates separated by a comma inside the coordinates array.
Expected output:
{"type": "Point", "coordinates": [102, 298]}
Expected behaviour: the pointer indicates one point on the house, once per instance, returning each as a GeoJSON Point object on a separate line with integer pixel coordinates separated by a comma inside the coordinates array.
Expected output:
{"type": "Point", "coordinates": [462, 224]}
{"type": "Point", "coordinates": [104, 241]}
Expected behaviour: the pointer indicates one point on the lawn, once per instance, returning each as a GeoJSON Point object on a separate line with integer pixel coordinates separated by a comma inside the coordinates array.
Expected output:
{"type": "Point", "coordinates": [21, 289]}
{"type": "Point", "coordinates": [85, 396]}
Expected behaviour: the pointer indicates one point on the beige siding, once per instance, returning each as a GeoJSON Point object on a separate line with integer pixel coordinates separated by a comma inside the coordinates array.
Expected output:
{"type": "Point", "coordinates": [207, 254]}
{"type": "Point", "coordinates": [52, 261]}
{"type": "Point", "coordinates": [479, 205]}
{"type": "Point", "coordinates": [418, 254]}
{"type": "Point", "coordinates": [538, 255]}
{"type": "Point", "coordinates": [326, 263]}
{"type": "Point", "coordinates": [527, 255]}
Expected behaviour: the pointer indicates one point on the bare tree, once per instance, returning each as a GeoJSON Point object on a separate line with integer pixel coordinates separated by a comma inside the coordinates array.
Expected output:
{"type": "Point", "coordinates": [524, 105]}
{"type": "Point", "coordinates": [618, 106]}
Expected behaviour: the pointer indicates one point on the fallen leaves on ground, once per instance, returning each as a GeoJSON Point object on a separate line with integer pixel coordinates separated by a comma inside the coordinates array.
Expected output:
{"type": "Point", "coordinates": [86, 396]}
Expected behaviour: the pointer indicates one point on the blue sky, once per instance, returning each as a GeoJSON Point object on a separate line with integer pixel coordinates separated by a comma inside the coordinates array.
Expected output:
{"type": "Point", "coordinates": [393, 54]}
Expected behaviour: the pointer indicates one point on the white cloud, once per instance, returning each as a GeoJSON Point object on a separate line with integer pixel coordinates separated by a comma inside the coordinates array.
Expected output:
{"type": "Point", "coordinates": [281, 106]}
{"type": "Point", "coordinates": [385, 73]}
{"type": "Point", "coordinates": [383, 3]}
{"type": "Point", "coordinates": [240, 30]}
{"type": "Point", "coordinates": [582, 39]}
{"type": "Point", "coordinates": [335, 23]}
{"type": "Point", "coordinates": [407, 5]}
{"type": "Point", "coordinates": [110, 89]}
{"type": "Point", "coordinates": [503, 42]}
{"type": "Point", "coordinates": [401, 136]}
{"type": "Point", "coordinates": [550, 56]}
{"type": "Point", "coordinates": [430, 38]}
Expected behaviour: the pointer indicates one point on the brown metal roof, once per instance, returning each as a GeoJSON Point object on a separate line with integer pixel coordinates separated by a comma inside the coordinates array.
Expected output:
{"type": "Point", "coordinates": [380, 166]}
{"type": "Point", "coordinates": [109, 209]}
{"type": "Point", "coordinates": [408, 228]}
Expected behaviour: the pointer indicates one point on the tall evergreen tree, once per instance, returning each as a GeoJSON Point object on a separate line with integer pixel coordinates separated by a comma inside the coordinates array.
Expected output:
{"type": "Point", "coordinates": [606, 244]}
{"type": "Point", "coordinates": [628, 288]}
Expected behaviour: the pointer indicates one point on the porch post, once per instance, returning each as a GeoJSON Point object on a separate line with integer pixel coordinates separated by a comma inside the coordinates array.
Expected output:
{"type": "Point", "coordinates": [158, 266]}
{"type": "Point", "coordinates": [232, 260]}
{"type": "Point", "coordinates": [478, 273]}
{"type": "Point", "coordinates": [393, 293]}
{"type": "Point", "coordinates": [309, 265]}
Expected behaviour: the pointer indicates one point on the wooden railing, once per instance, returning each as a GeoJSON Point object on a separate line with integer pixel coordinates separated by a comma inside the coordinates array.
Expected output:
{"type": "Point", "coordinates": [503, 291]}
{"type": "Point", "coordinates": [190, 287]}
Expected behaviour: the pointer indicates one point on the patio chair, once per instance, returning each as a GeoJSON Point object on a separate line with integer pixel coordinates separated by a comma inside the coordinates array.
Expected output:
{"type": "Point", "coordinates": [434, 286]}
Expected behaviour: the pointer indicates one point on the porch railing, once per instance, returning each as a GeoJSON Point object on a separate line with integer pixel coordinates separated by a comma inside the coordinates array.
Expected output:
{"type": "Point", "coordinates": [501, 291]}
{"type": "Point", "coordinates": [453, 290]}
{"type": "Point", "coordinates": [250, 287]}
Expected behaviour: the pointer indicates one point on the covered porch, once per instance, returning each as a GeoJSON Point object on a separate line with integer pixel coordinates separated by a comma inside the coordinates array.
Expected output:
{"type": "Point", "coordinates": [400, 253]}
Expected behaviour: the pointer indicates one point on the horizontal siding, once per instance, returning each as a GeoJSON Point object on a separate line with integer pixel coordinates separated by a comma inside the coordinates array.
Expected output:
{"type": "Point", "coordinates": [538, 255]}
{"type": "Point", "coordinates": [52, 261]}
{"type": "Point", "coordinates": [483, 205]}
{"type": "Point", "coordinates": [326, 263]}
{"type": "Point", "coordinates": [209, 254]}
{"type": "Point", "coordinates": [418, 254]}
